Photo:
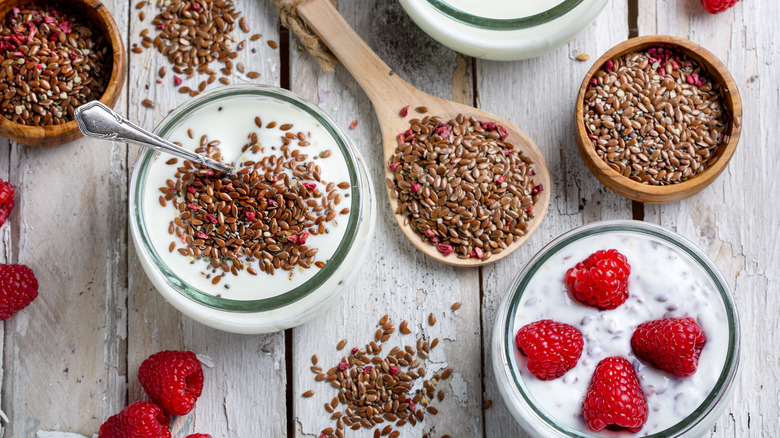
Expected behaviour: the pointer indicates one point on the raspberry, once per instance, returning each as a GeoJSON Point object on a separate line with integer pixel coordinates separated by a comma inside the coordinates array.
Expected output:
{"type": "Point", "coordinates": [199, 435]}
{"type": "Point", "coordinates": [18, 288]}
{"type": "Point", "coordinates": [601, 280]}
{"type": "Point", "coordinates": [142, 419]}
{"type": "Point", "coordinates": [716, 6]}
{"type": "Point", "coordinates": [173, 380]}
{"type": "Point", "coordinates": [6, 200]}
{"type": "Point", "coordinates": [614, 399]}
{"type": "Point", "coordinates": [672, 345]}
{"type": "Point", "coordinates": [553, 348]}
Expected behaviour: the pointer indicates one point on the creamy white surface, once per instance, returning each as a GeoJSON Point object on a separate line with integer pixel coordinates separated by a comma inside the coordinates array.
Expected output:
{"type": "Point", "coordinates": [231, 125]}
{"type": "Point", "coordinates": [663, 283]}
{"type": "Point", "coordinates": [503, 9]}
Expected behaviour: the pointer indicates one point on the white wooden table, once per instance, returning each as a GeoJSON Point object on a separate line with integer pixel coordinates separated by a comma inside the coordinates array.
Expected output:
{"type": "Point", "coordinates": [70, 360]}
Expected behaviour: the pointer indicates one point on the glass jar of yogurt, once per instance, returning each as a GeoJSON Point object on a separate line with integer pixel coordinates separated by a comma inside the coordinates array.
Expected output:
{"type": "Point", "coordinates": [209, 254]}
{"type": "Point", "coordinates": [670, 277]}
{"type": "Point", "coordinates": [503, 29]}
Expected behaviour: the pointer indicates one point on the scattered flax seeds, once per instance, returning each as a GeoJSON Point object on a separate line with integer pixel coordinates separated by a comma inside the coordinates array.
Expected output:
{"type": "Point", "coordinates": [375, 391]}
{"type": "Point", "coordinates": [192, 34]}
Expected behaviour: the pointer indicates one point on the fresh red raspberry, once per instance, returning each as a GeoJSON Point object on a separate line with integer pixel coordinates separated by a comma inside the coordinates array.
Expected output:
{"type": "Point", "coordinates": [601, 280]}
{"type": "Point", "coordinates": [552, 348]}
{"type": "Point", "coordinates": [614, 399]}
{"type": "Point", "coordinates": [716, 6]}
{"type": "Point", "coordinates": [173, 380]}
{"type": "Point", "coordinates": [672, 345]}
{"type": "Point", "coordinates": [199, 435]}
{"type": "Point", "coordinates": [6, 200]}
{"type": "Point", "coordinates": [142, 419]}
{"type": "Point", "coordinates": [18, 288]}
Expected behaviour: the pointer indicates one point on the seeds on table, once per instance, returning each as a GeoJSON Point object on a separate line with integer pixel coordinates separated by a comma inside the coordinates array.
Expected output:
{"type": "Point", "coordinates": [51, 62]}
{"type": "Point", "coordinates": [655, 117]}
{"type": "Point", "coordinates": [462, 186]}
{"type": "Point", "coordinates": [380, 391]}
{"type": "Point", "coordinates": [193, 34]}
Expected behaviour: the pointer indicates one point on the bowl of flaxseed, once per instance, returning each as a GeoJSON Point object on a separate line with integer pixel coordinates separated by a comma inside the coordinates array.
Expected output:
{"type": "Point", "coordinates": [658, 118]}
{"type": "Point", "coordinates": [54, 57]}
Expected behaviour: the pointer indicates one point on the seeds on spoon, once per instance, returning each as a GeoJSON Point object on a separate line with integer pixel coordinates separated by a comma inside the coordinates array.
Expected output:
{"type": "Point", "coordinates": [461, 186]}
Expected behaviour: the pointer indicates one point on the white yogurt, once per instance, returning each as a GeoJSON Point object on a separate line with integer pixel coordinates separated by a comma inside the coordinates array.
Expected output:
{"type": "Point", "coordinates": [503, 9]}
{"type": "Point", "coordinates": [230, 123]}
{"type": "Point", "coordinates": [663, 283]}
{"type": "Point", "coordinates": [253, 303]}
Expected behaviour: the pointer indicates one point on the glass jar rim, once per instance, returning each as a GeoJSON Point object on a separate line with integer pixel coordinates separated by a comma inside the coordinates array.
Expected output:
{"type": "Point", "coordinates": [506, 24]}
{"type": "Point", "coordinates": [178, 116]}
{"type": "Point", "coordinates": [674, 240]}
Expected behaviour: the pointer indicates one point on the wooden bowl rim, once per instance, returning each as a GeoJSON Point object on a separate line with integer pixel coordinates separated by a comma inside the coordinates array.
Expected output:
{"type": "Point", "coordinates": [109, 97]}
{"type": "Point", "coordinates": [733, 102]}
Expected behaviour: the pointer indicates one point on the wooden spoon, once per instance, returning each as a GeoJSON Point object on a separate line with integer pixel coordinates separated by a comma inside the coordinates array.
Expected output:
{"type": "Point", "coordinates": [389, 93]}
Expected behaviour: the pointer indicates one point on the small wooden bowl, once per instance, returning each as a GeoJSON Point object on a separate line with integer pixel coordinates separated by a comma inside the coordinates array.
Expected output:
{"type": "Point", "coordinates": [58, 134]}
{"type": "Point", "coordinates": [674, 192]}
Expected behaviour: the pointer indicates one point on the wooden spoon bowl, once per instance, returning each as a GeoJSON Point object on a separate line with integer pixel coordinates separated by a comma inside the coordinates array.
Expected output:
{"type": "Point", "coordinates": [674, 192]}
{"type": "Point", "coordinates": [389, 94]}
{"type": "Point", "coordinates": [93, 11]}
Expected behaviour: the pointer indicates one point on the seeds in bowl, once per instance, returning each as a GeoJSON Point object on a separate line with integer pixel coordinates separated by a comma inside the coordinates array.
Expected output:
{"type": "Point", "coordinates": [269, 227]}
{"type": "Point", "coordinates": [385, 392]}
{"type": "Point", "coordinates": [655, 116]}
{"type": "Point", "coordinates": [461, 186]}
{"type": "Point", "coordinates": [51, 62]}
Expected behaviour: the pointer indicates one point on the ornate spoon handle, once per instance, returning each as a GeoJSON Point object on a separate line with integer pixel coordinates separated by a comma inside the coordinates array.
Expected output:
{"type": "Point", "coordinates": [99, 121]}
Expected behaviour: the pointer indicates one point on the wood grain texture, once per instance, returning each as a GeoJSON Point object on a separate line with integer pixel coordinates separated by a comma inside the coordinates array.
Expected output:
{"type": "Point", "coordinates": [396, 279]}
{"type": "Point", "coordinates": [538, 95]}
{"type": "Point", "coordinates": [64, 355]}
{"type": "Point", "coordinates": [735, 220]}
{"type": "Point", "coordinates": [246, 372]}
{"type": "Point", "coordinates": [389, 93]}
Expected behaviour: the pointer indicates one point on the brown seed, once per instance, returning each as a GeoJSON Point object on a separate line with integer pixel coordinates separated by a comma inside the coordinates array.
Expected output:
{"type": "Point", "coordinates": [456, 305]}
{"type": "Point", "coordinates": [308, 393]}
{"type": "Point", "coordinates": [314, 359]}
{"type": "Point", "coordinates": [253, 75]}
{"type": "Point", "coordinates": [487, 405]}
{"type": "Point", "coordinates": [272, 44]}
{"type": "Point", "coordinates": [431, 319]}
{"type": "Point", "coordinates": [341, 344]}
{"type": "Point", "coordinates": [446, 374]}
{"type": "Point", "coordinates": [421, 109]}
{"type": "Point", "coordinates": [147, 103]}
{"type": "Point", "coordinates": [583, 57]}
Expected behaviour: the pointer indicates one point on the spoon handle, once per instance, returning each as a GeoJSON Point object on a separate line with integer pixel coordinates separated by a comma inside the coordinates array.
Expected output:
{"type": "Point", "coordinates": [383, 86]}
{"type": "Point", "coordinates": [99, 121]}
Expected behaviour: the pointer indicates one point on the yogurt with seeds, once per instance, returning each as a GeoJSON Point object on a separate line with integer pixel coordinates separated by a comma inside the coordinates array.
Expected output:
{"type": "Point", "coordinates": [664, 283]}
{"type": "Point", "coordinates": [251, 295]}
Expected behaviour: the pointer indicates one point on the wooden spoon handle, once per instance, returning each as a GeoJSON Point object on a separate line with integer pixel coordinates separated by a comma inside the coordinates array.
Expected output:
{"type": "Point", "coordinates": [386, 89]}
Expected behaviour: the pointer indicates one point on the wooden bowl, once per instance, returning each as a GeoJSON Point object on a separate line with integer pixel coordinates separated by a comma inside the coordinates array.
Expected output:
{"type": "Point", "coordinates": [654, 194]}
{"type": "Point", "coordinates": [58, 134]}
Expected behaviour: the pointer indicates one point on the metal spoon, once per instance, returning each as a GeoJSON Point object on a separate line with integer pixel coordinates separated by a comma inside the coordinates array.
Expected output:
{"type": "Point", "coordinates": [99, 121]}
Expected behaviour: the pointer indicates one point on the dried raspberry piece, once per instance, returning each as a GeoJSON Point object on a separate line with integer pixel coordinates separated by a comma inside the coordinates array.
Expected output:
{"type": "Point", "coordinates": [552, 348]}
{"type": "Point", "coordinates": [601, 280]}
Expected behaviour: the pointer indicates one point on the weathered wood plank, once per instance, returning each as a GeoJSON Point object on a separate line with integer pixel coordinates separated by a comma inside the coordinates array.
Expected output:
{"type": "Point", "coordinates": [735, 220]}
{"type": "Point", "coordinates": [248, 371]}
{"type": "Point", "coordinates": [69, 227]}
{"type": "Point", "coordinates": [396, 279]}
{"type": "Point", "coordinates": [538, 96]}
